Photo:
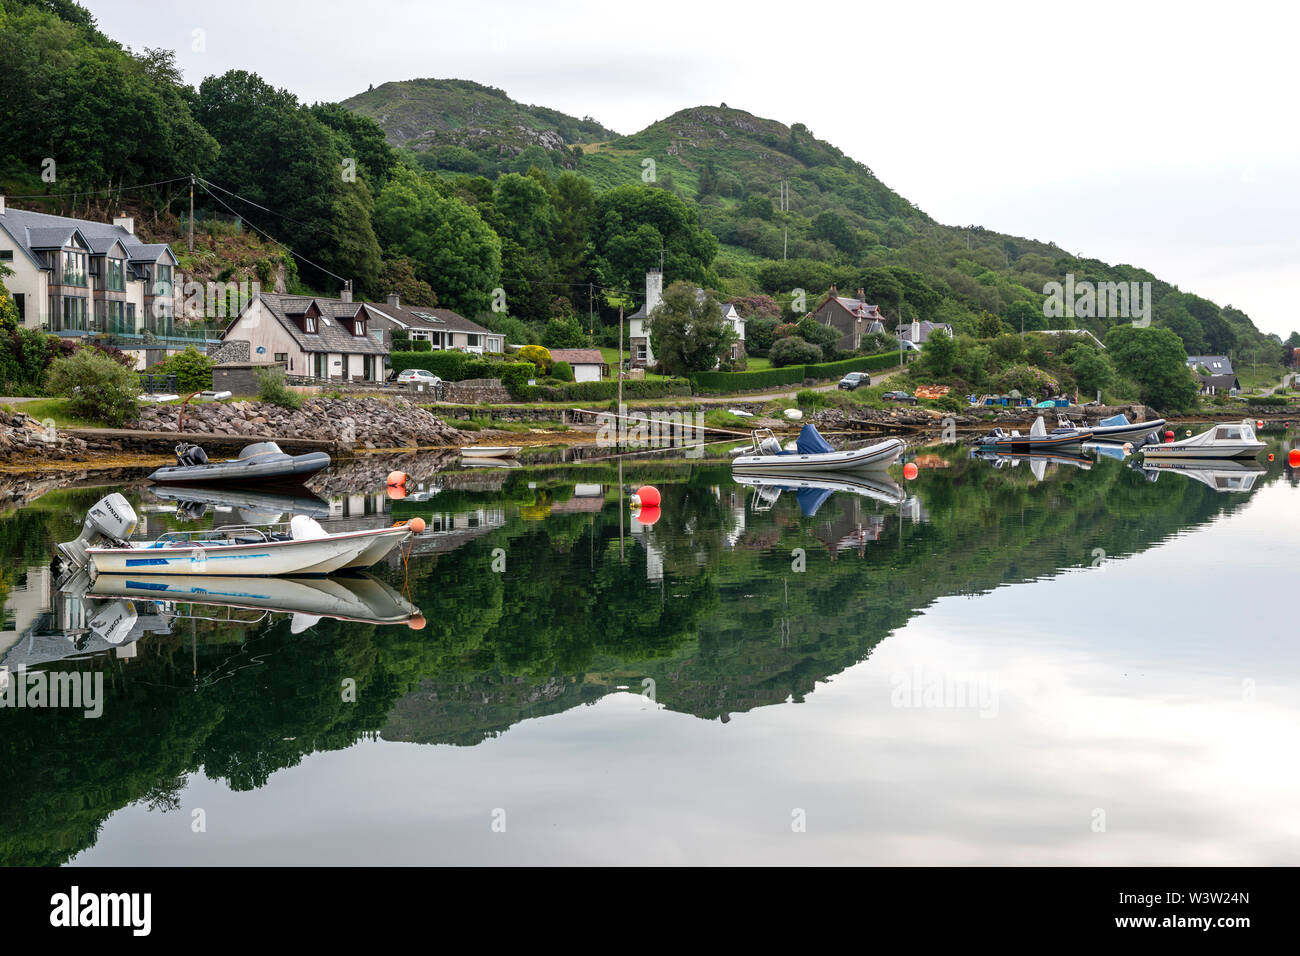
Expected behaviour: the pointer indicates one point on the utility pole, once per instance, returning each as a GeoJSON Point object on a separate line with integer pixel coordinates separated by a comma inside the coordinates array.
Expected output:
{"type": "Point", "coordinates": [620, 364]}
{"type": "Point", "coordinates": [191, 212]}
{"type": "Point", "coordinates": [591, 327]}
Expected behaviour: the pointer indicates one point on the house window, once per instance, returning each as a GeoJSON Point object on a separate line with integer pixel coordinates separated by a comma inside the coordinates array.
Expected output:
{"type": "Point", "coordinates": [163, 280]}
{"type": "Point", "coordinates": [473, 341]}
{"type": "Point", "coordinates": [116, 275]}
{"type": "Point", "coordinates": [117, 318]}
{"type": "Point", "coordinates": [282, 356]}
{"type": "Point", "coordinates": [640, 353]}
{"type": "Point", "coordinates": [74, 268]}
{"type": "Point", "coordinates": [6, 255]}
{"type": "Point", "coordinates": [72, 315]}
{"type": "Point", "coordinates": [309, 324]}
{"type": "Point", "coordinates": [18, 301]}
{"type": "Point", "coordinates": [359, 327]}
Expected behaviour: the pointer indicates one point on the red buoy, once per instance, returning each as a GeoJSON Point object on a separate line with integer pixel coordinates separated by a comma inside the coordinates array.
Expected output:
{"type": "Point", "coordinates": [910, 471]}
{"type": "Point", "coordinates": [1270, 456]}
{"type": "Point", "coordinates": [648, 515]}
{"type": "Point", "coordinates": [396, 492]}
{"type": "Point", "coordinates": [416, 525]}
{"type": "Point", "coordinates": [1169, 434]}
{"type": "Point", "coordinates": [397, 477]}
{"type": "Point", "coordinates": [649, 496]}
{"type": "Point", "coordinates": [1294, 458]}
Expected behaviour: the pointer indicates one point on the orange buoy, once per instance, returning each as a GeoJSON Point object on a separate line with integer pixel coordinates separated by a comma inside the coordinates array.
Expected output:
{"type": "Point", "coordinates": [1294, 458]}
{"type": "Point", "coordinates": [397, 477]}
{"type": "Point", "coordinates": [396, 492]}
{"type": "Point", "coordinates": [417, 622]}
{"type": "Point", "coordinates": [416, 525]}
{"type": "Point", "coordinates": [648, 515]}
{"type": "Point", "coordinates": [910, 471]}
{"type": "Point", "coordinates": [648, 495]}
{"type": "Point", "coordinates": [1270, 456]}
{"type": "Point", "coordinates": [1259, 424]}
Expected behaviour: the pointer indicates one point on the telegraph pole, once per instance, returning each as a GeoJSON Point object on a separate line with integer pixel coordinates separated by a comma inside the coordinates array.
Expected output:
{"type": "Point", "coordinates": [191, 212]}
{"type": "Point", "coordinates": [620, 362]}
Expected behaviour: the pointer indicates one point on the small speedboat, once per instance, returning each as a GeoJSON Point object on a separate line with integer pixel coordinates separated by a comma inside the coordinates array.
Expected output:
{"type": "Point", "coordinates": [1038, 439]}
{"type": "Point", "coordinates": [812, 452]}
{"type": "Point", "coordinates": [301, 548]}
{"type": "Point", "coordinates": [1229, 440]}
{"type": "Point", "coordinates": [262, 463]}
{"type": "Point", "coordinates": [811, 491]}
{"type": "Point", "coordinates": [496, 452]}
{"type": "Point", "coordinates": [1119, 429]}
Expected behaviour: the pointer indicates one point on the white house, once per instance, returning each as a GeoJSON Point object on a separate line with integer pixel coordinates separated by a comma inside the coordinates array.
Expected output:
{"type": "Point", "coordinates": [639, 323]}
{"type": "Point", "coordinates": [588, 364]}
{"type": "Point", "coordinates": [311, 336]}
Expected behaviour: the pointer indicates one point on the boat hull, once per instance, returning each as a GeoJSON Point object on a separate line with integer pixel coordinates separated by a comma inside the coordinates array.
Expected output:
{"type": "Point", "coordinates": [1020, 444]}
{"type": "Point", "coordinates": [1123, 433]}
{"type": "Point", "coordinates": [490, 451]}
{"type": "Point", "coordinates": [289, 470]}
{"type": "Point", "coordinates": [1220, 451]}
{"type": "Point", "coordinates": [879, 455]}
{"type": "Point", "coordinates": [306, 557]}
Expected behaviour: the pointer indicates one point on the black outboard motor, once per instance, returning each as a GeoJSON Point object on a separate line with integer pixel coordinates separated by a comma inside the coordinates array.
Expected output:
{"type": "Point", "coordinates": [187, 454]}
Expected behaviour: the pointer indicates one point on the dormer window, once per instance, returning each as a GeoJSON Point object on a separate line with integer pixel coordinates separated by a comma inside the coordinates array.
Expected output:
{"type": "Point", "coordinates": [359, 326]}
{"type": "Point", "coordinates": [309, 324]}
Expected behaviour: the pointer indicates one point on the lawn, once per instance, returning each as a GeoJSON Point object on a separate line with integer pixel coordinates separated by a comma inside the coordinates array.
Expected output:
{"type": "Point", "coordinates": [56, 409]}
{"type": "Point", "coordinates": [1260, 376]}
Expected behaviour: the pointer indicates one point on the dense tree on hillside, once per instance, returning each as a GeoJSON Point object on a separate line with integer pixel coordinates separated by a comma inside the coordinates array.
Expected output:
{"type": "Point", "coordinates": [688, 331]}
{"type": "Point", "coordinates": [360, 138]}
{"type": "Point", "coordinates": [455, 251]}
{"type": "Point", "coordinates": [939, 353]}
{"type": "Point", "coordinates": [636, 224]}
{"type": "Point", "coordinates": [1155, 359]}
{"type": "Point", "coordinates": [397, 277]}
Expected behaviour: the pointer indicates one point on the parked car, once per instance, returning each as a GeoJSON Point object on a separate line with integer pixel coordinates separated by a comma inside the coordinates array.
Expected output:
{"type": "Point", "coordinates": [418, 376]}
{"type": "Point", "coordinates": [899, 397]}
{"type": "Point", "coordinates": [855, 380]}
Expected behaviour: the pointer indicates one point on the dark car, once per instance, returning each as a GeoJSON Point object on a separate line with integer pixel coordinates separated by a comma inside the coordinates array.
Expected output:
{"type": "Point", "coordinates": [855, 380]}
{"type": "Point", "coordinates": [899, 397]}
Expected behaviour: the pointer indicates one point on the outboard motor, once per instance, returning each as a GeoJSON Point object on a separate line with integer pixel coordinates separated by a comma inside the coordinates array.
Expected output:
{"type": "Point", "coordinates": [769, 446]}
{"type": "Point", "coordinates": [187, 454]}
{"type": "Point", "coordinates": [110, 520]}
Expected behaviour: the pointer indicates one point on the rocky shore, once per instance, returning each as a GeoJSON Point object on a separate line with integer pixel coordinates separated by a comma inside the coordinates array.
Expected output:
{"type": "Point", "coordinates": [24, 438]}
{"type": "Point", "coordinates": [352, 422]}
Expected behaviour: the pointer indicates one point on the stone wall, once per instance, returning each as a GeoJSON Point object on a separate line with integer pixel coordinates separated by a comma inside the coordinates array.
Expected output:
{"type": "Point", "coordinates": [475, 390]}
{"type": "Point", "coordinates": [232, 351]}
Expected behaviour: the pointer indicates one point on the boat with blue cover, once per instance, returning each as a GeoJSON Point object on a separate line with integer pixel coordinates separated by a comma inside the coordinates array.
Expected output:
{"type": "Point", "coordinates": [1119, 429]}
{"type": "Point", "coordinates": [812, 452]}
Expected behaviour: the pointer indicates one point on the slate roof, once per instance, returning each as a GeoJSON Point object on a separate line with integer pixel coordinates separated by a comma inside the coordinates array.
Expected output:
{"type": "Point", "coordinates": [578, 356]}
{"type": "Point", "coordinates": [39, 230]}
{"type": "Point", "coordinates": [1224, 366]}
{"type": "Point", "coordinates": [926, 327]}
{"type": "Point", "coordinates": [422, 317]}
{"type": "Point", "coordinates": [1219, 382]}
{"type": "Point", "coordinates": [330, 336]}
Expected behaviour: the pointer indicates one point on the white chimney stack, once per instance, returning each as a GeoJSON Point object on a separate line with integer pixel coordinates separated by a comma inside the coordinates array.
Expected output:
{"type": "Point", "coordinates": [654, 289]}
{"type": "Point", "coordinates": [126, 222]}
{"type": "Point", "coordinates": [394, 300]}
{"type": "Point", "coordinates": [2, 205]}
{"type": "Point", "coordinates": [346, 294]}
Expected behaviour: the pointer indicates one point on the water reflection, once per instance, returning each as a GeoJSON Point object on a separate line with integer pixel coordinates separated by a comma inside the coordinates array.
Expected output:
{"type": "Point", "coordinates": [542, 595]}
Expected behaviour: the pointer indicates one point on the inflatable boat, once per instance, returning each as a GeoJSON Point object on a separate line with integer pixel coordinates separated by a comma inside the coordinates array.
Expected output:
{"type": "Point", "coordinates": [813, 453]}
{"type": "Point", "coordinates": [262, 463]}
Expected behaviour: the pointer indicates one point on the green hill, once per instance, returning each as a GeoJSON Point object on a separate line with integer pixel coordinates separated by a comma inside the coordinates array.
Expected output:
{"type": "Point", "coordinates": [463, 126]}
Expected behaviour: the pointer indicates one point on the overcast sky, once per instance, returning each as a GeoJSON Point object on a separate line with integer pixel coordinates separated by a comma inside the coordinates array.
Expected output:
{"type": "Point", "coordinates": [1158, 134]}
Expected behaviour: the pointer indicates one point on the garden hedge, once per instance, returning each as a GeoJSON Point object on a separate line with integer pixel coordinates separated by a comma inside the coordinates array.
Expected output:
{"type": "Point", "coordinates": [790, 375]}
{"type": "Point", "coordinates": [605, 390]}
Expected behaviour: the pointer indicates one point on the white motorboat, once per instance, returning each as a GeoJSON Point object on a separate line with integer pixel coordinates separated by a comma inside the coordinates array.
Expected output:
{"type": "Point", "coordinates": [813, 453]}
{"type": "Point", "coordinates": [490, 451]}
{"type": "Point", "coordinates": [1223, 441]}
{"type": "Point", "coordinates": [303, 548]}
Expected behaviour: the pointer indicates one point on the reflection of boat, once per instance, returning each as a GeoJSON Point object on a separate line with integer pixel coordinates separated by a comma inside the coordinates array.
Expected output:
{"type": "Point", "coordinates": [1229, 440]}
{"type": "Point", "coordinates": [1223, 476]}
{"type": "Point", "coordinates": [490, 451]}
{"type": "Point", "coordinates": [363, 598]}
{"type": "Point", "coordinates": [1038, 439]}
{"type": "Point", "coordinates": [489, 463]}
{"type": "Point", "coordinates": [813, 490]}
{"type": "Point", "coordinates": [243, 550]}
{"type": "Point", "coordinates": [255, 507]}
{"type": "Point", "coordinates": [1038, 461]}
{"type": "Point", "coordinates": [258, 464]}
{"type": "Point", "coordinates": [813, 453]}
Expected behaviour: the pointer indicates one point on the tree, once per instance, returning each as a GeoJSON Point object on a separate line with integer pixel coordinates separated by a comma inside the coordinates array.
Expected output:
{"type": "Point", "coordinates": [397, 277]}
{"type": "Point", "coordinates": [825, 337]}
{"type": "Point", "coordinates": [1153, 358]}
{"type": "Point", "coordinates": [1021, 316]}
{"type": "Point", "coordinates": [988, 325]}
{"type": "Point", "coordinates": [456, 251]}
{"type": "Point", "coordinates": [634, 224]}
{"type": "Point", "coordinates": [688, 331]}
{"type": "Point", "coordinates": [538, 356]}
{"type": "Point", "coordinates": [939, 353]}
{"type": "Point", "coordinates": [97, 387]}
{"type": "Point", "coordinates": [1092, 369]}
{"type": "Point", "coordinates": [793, 351]}
{"type": "Point", "coordinates": [563, 333]}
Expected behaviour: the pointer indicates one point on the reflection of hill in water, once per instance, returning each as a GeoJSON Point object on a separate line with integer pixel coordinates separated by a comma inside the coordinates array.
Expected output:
{"type": "Point", "coordinates": [705, 602]}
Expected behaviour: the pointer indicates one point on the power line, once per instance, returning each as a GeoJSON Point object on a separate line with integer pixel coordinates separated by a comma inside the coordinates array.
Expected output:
{"type": "Point", "coordinates": [251, 203]}
{"type": "Point", "coordinates": [96, 192]}
{"type": "Point", "coordinates": [203, 182]}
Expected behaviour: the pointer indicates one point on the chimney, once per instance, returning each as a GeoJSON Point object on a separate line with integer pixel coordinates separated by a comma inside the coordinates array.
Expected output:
{"type": "Point", "coordinates": [862, 296]}
{"type": "Point", "coordinates": [916, 332]}
{"type": "Point", "coordinates": [346, 294]}
{"type": "Point", "coordinates": [2, 205]}
{"type": "Point", "coordinates": [394, 300]}
{"type": "Point", "coordinates": [654, 289]}
{"type": "Point", "coordinates": [126, 222]}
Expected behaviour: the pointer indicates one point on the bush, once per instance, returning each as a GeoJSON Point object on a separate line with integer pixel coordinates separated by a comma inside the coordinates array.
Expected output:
{"type": "Point", "coordinates": [272, 387]}
{"type": "Point", "coordinates": [811, 399]}
{"type": "Point", "coordinates": [861, 363]}
{"type": "Point", "coordinates": [793, 351]}
{"type": "Point", "coordinates": [563, 371]}
{"type": "Point", "coordinates": [193, 370]}
{"type": "Point", "coordinates": [447, 365]}
{"type": "Point", "coordinates": [539, 357]}
{"type": "Point", "coordinates": [747, 381]}
{"type": "Point", "coordinates": [96, 386]}
{"type": "Point", "coordinates": [477, 368]}
{"type": "Point", "coordinates": [419, 345]}
{"type": "Point", "coordinates": [1265, 400]}
{"type": "Point", "coordinates": [515, 376]}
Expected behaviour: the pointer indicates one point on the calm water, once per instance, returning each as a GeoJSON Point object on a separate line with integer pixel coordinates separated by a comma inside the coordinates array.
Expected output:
{"type": "Point", "coordinates": [994, 663]}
